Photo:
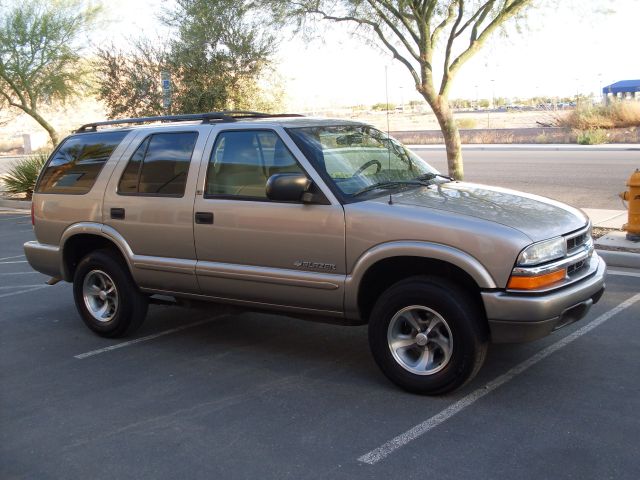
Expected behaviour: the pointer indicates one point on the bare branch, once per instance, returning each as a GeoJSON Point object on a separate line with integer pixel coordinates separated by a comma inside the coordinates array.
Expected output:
{"type": "Point", "coordinates": [376, 28]}
{"type": "Point", "coordinates": [513, 8]}
{"type": "Point", "coordinates": [395, 30]}
{"type": "Point", "coordinates": [442, 25]}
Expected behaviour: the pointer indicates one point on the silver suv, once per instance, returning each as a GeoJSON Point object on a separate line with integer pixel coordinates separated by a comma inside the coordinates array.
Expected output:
{"type": "Point", "coordinates": [324, 219]}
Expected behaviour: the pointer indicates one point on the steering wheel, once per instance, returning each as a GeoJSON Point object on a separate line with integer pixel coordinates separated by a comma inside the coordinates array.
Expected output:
{"type": "Point", "coordinates": [367, 165]}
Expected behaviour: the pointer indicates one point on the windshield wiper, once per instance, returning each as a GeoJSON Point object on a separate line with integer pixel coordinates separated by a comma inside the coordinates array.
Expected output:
{"type": "Point", "coordinates": [390, 184]}
{"type": "Point", "coordinates": [431, 176]}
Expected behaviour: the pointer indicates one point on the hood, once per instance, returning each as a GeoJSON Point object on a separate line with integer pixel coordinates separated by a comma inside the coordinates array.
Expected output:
{"type": "Point", "coordinates": [537, 217]}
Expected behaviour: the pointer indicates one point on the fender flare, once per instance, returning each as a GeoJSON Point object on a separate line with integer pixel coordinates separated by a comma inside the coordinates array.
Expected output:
{"type": "Point", "coordinates": [97, 229]}
{"type": "Point", "coordinates": [434, 251]}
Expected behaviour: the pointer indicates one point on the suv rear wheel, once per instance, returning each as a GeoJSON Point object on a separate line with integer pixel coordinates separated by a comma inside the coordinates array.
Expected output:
{"type": "Point", "coordinates": [426, 335]}
{"type": "Point", "coordinates": [106, 296]}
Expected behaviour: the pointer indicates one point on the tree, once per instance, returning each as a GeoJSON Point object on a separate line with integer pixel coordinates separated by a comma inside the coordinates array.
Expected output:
{"type": "Point", "coordinates": [129, 83]}
{"type": "Point", "coordinates": [39, 62]}
{"type": "Point", "coordinates": [414, 31]}
{"type": "Point", "coordinates": [217, 60]}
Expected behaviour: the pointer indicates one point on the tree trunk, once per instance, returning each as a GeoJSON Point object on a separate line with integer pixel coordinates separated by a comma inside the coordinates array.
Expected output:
{"type": "Point", "coordinates": [451, 136]}
{"type": "Point", "coordinates": [53, 135]}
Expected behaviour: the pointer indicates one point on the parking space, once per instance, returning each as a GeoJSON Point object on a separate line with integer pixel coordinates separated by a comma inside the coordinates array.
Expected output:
{"type": "Point", "coordinates": [195, 395]}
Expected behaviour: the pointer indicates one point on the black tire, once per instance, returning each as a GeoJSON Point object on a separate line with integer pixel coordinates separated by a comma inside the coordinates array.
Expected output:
{"type": "Point", "coordinates": [466, 328]}
{"type": "Point", "coordinates": [127, 312]}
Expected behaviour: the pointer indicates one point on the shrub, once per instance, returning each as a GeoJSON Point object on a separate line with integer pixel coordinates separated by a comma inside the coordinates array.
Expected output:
{"type": "Point", "coordinates": [592, 137]}
{"type": "Point", "coordinates": [466, 123]}
{"type": "Point", "coordinates": [614, 115]}
{"type": "Point", "coordinates": [21, 178]}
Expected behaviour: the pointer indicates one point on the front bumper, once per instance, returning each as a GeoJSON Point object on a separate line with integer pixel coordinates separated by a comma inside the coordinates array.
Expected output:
{"type": "Point", "coordinates": [520, 317]}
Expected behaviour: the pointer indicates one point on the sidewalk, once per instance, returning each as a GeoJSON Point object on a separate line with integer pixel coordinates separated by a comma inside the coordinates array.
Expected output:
{"type": "Point", "coordinates": [606, 218]}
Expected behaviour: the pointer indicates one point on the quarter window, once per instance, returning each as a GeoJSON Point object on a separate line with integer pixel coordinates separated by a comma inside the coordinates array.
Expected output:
{"type": "Point", "coordinates": [160, 165]}
{"type": "Point", "coordinates": [242, 161]}
{"type": "Point", "coordinates": [75, 165]}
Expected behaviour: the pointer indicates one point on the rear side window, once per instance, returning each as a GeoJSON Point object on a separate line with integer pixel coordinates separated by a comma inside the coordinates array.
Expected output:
{"type": "Point", "coordinates": [160, 165]}
{"type": "Point", "coordinates": [75, 165]}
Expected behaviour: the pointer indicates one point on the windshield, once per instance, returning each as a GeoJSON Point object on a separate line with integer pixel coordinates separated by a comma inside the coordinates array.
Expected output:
{"type": "Point", "coordinates": [356, 158]}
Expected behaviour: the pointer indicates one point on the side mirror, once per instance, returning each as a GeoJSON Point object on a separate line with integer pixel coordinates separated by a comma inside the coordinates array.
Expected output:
{"type": "Point", "coordinates": [287, 187]}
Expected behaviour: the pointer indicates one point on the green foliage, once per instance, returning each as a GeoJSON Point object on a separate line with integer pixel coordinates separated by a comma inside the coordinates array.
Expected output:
{"type": "Point", "coordinates": [21, 178]}
{"type": "Point", "coordinates": [39, 54]}
{"type": "Point", "coordinates": [219, 59]}
{"type": "Point", "coordinates": [592, 137]}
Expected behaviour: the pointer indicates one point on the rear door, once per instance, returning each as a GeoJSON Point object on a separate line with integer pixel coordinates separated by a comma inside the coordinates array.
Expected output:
{"type": "Point", "coordinates": [149, 202]}
{"type": "Point", "coordinates": [256, 250]}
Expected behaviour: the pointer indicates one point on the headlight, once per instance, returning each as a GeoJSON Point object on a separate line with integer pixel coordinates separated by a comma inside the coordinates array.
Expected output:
{"type": "Point", "coordinates": [543, 252]}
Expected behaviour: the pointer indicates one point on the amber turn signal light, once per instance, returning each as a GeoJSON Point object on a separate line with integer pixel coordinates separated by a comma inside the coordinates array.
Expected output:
{"type": "Point", "coordinates": [538, 281]}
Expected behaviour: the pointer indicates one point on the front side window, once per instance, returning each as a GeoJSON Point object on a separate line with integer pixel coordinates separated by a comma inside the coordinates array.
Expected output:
{"type": "Point", "coordinates": [357, 158]}
{"type": "Point", "coordinates": [160, 165]}
{"type": "Point", "coordinates": [74, 166]}
{"type": "Point", "coordinates": [242, 161]}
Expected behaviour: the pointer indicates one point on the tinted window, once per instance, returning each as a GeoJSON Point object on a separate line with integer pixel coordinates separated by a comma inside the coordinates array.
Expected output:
{"type": "Point", "coordinates": [160, 165]}
{"type": "Point", "coordinates": [75, 165]}
{"type": "Point", "coordinates": [242, 161]}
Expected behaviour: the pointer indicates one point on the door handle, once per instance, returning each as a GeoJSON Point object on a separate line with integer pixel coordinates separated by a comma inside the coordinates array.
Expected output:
{"type": "Point", "coordinates": [117, 213]}
{"type": "Point", "coordinates": [204, 218]}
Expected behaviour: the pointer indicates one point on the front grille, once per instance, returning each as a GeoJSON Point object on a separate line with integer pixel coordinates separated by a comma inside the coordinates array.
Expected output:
{"type": "Point", "coordinates": [576, 267]}
{"type": "Point", "coordinates": [576, 242]}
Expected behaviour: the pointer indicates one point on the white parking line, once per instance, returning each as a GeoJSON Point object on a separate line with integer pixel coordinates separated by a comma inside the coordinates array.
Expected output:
{"type": "Point", "coordinates": [22, 286]}
{"type": "Point", "coordinates": [20, 273]}
{"type": "Point", "coordinates": [13, 261]}
{"type": "Point", "coordinates": [80, 356]}
{"type": "Point", "coordinates": [9, 258]}
{"type": "Point", "coordinates": [380, 453]}
{"type": "Point", "coordinates": [33, 289]}
{"type": "Point", "coordinates": [622, 273]}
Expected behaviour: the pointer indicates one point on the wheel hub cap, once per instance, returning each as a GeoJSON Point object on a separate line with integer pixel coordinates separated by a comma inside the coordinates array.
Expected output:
{"type": "Point", "coordinates": [420, 340]}
{"type": "Point", "coordinates": [100, 295]}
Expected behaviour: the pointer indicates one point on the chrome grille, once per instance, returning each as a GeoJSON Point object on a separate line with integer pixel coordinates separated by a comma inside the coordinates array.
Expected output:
{"type": "Point", "coordinates": [577, 240]}
{"type": "Point", "coordinates": [576, 268]}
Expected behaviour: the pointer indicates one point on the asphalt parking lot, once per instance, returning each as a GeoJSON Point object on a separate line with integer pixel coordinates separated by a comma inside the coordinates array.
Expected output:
{"type": "Point", "coordinates": [257, 396]}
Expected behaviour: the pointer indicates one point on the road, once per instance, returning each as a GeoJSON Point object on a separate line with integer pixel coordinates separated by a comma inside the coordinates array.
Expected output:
{"type": "Point", "coordinates": [267, 397]}
{"type": "Point", "coordinates": [585, 179]}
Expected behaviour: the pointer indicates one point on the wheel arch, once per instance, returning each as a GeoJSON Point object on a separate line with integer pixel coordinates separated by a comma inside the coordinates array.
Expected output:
{"type": "Point", "coordinates": [83, 238]}
{"type": "Point", "coordinates": [387, 264]}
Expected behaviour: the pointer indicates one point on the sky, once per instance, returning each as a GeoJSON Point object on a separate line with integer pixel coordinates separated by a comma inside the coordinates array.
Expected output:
{"type": "Point", "coordinates": [567, 47]}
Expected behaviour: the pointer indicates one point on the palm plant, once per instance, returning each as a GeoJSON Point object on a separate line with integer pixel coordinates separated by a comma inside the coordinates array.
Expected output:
{"type": "Point", "coordinates": [22, 177]}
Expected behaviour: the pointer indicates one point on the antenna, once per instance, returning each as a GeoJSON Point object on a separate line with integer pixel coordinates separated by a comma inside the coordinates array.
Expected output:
{"type": "Point", "coordinates": [386, 91]}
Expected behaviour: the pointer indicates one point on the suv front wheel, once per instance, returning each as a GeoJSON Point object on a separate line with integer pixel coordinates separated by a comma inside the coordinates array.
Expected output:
{"type": "Point", "coordinates": [106, 296]}
{"type": "Point", "coordinates": [426, 335]}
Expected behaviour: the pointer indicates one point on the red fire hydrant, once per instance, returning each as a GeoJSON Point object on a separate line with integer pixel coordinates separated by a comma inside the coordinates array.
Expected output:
{"type": "Point", "coordinates": [633, 197]}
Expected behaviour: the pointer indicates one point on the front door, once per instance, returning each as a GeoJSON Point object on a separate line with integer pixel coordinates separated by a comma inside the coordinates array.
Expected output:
{"type": "Point", "coordinates": [259, 251]}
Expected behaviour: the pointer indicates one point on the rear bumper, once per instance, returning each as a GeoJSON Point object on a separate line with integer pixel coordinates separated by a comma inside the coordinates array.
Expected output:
{"type": "Point", "coordinates": [43, 258]}
{"type": "Point", "coordinates": [524, 317]}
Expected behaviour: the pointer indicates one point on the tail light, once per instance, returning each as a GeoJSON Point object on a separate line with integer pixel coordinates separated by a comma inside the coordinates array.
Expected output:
{"type": "Point", "coordinates": [33, 218]}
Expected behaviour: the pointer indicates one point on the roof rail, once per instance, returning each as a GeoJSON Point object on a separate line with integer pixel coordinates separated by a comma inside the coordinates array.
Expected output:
{"type": "Point", "coordinates": [224, 116]}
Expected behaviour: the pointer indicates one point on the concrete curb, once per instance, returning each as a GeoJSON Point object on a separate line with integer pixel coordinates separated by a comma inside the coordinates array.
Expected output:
{"type": "Point", "coordinates": [548, 147]}
{"type": "Point", "coordinates": [19, 204]}
{"type": "Point", "coordinates": [620, 259]}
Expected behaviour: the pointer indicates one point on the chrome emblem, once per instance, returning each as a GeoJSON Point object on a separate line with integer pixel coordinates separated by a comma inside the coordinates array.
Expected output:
{"type": "Point", "coordinates": [314, 265]}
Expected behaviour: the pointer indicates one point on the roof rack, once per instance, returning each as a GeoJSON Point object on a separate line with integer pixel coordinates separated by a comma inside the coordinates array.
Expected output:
{"type": "Point", "coordinates": [224, 116]}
